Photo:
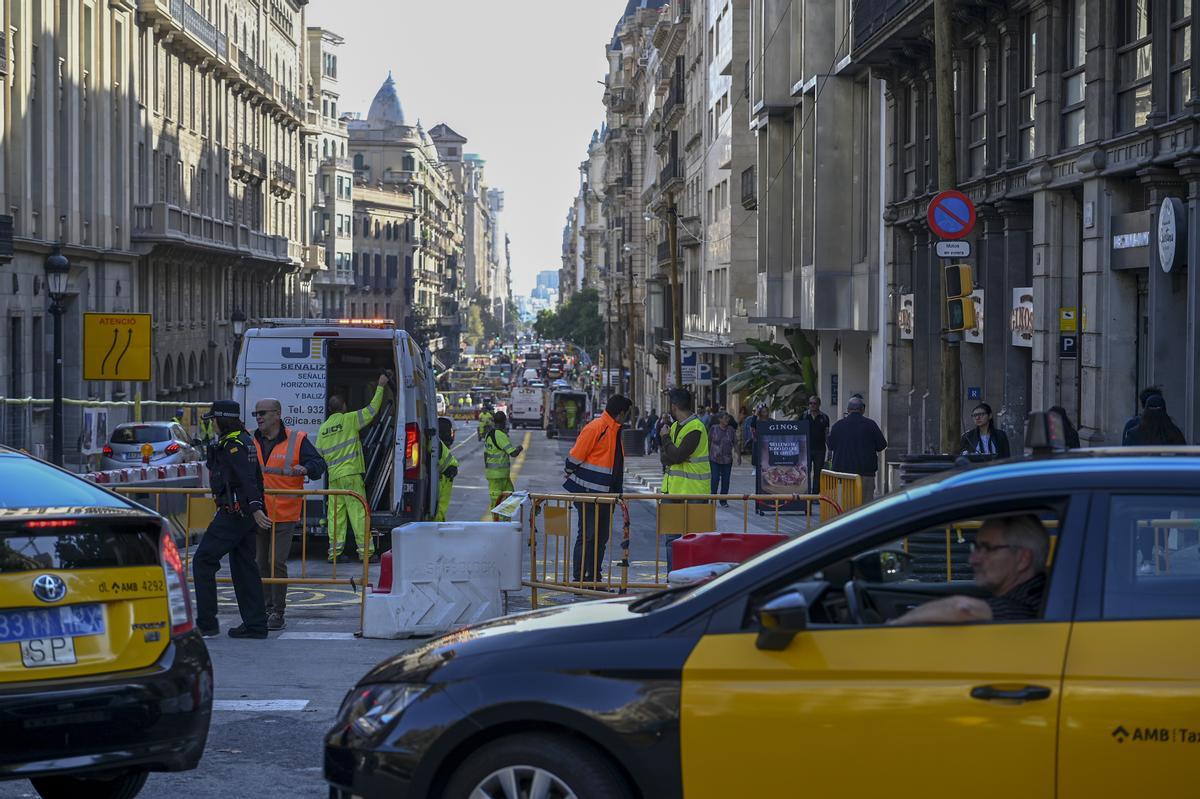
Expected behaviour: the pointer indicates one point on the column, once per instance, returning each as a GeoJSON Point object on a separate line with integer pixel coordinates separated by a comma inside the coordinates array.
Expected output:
{"type": "Point", "coordinates": [1188, 415]}
{"type": "Point", "coordinates": [1014, 407]}
{"type": "Point", "coordinates": [1168, 303]}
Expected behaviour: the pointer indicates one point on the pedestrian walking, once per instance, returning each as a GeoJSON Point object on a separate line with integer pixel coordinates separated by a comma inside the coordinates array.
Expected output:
{"type": "Point", "coordinates": [1070, 433]}
{"type": "Point", "coordinates": [818, 440]}
{"type": "Point", "coordinates": [498, 452]}
{"type": "Point", "coordinates": [684, 452]}
{"type": "Point", "coordinates": [447, 467]}
{"type": "Point", "coordinates": [652, 431]}
{"type": "Point", "coordinates": [237, 488]}
{"type": "Point", "coordinates": [1133, 421]}
{"type": "Point", "coordinates": [722, 441]}
{"type": "Point", "coordinates": [856, 442]}
{"type": "Point", "coordinates": [1155, 428]}
{"type": "Point", "coordinates": [985, 438]}
{"type": "Point", "coordinates": [287, 458]}
{"type": "Point", "coordinates": [339, 443]}
{"type": "Point", "coordinates": [596, 465]}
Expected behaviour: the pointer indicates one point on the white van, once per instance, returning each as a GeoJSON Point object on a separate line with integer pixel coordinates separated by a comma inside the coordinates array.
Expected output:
{"type": "Point", "coordinates": [526, 407]}
{"type": "Point", "coordinates": [302, 362]}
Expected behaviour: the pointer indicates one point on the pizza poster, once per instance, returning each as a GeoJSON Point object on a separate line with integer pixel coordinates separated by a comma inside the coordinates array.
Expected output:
{"type": "Point", "coordinates": [781, 462]}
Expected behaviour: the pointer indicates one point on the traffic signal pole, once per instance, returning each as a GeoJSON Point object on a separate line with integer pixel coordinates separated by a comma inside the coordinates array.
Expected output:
{"type": "Point", "coordinates": [951, 388]}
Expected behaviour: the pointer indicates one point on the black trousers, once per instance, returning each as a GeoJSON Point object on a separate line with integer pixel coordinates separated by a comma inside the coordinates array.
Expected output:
{"type": "Point", "coordinates": [594, 524]}
{"type": "Point", "coordinates": [235, 535]}
{"type": "Point", "coordinates": [816, 464]}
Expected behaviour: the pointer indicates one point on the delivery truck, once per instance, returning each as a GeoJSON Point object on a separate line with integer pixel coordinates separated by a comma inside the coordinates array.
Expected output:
{"type": "Point", "coordinates": [303, 362]}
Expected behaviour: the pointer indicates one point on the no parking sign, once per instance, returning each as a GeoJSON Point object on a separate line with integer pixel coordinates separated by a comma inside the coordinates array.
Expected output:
{"type": "Point", "coordinates": [951, 215]}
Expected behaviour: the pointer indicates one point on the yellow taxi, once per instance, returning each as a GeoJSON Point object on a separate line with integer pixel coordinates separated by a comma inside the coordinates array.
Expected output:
{"type": "Point", "coordinates": [1029, 629]}
{"type": "Point", "coordinates": [103, 678]}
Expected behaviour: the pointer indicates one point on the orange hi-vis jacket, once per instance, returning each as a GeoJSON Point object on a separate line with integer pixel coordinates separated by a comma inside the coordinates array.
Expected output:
{"type": "Point", "coordinates": [277, 473]}
{"type": "Point", "coordinates": [590, 462]}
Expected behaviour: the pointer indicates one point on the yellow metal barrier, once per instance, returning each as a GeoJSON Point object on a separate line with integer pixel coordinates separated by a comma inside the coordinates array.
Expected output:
{"type": "Point", "coordinates": [200, 502]}
{"type": "Point", "coordinates": [676, 514]}
{"type": "Point", "coordinates": [842, 489]}
{"type": "Point", "coordinates": [1161, 530]}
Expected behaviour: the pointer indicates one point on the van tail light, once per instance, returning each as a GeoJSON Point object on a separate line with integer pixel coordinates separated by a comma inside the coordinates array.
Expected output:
{"type": "Point", "coordinates": [177, 591]}
{"type": "Point", "coordinates": [172, 448]}
{"type": "Point", "coordinates": [412, 451]}
{"type": "Point", "coordinates": [108, 453]}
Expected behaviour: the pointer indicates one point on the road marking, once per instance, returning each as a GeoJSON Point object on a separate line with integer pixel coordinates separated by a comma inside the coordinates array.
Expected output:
{"type": "Point", "coordinates": [515, 470]}
{"type": "Point", "coordinates": [316, 636]}
{"type": "Point", "coordinates": [260, 705]}
{"type": "Point", "coordinates": [457, 447]}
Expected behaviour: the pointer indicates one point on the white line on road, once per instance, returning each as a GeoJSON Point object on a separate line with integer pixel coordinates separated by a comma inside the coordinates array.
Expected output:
{"type": "Point", "coordinates": [260, 705]}
{"type": "Point", "coordinates": [316, 636]}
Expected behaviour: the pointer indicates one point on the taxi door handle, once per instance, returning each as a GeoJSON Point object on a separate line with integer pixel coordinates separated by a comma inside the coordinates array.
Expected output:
{"type": "Point", "coordinates": [1028, 693]}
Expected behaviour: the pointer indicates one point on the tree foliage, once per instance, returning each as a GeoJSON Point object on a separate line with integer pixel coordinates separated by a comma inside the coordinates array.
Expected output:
{"type": "Point", "coordinates": [578, 321]}
{"type": "Point", "coordinates": [780, 375]}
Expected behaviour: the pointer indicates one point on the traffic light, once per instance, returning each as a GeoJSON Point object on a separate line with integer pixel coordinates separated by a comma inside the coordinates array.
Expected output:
{"type": "Point", "coordinates": [960, 308]}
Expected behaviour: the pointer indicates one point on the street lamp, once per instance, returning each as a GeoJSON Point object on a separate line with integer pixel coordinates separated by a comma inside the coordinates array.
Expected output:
{"type": "Point", "coordinates": [239, 323]}
{"type": "Point", "coordinates": [58, 269]}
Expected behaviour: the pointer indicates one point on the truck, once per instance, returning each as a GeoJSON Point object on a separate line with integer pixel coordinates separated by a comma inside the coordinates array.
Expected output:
{"type": "Point", "coordinates": [559, 417]}
{"type": "Point", "coordinates": [302, 362]}
{"type": "Point", "coordinates": [527, 407]}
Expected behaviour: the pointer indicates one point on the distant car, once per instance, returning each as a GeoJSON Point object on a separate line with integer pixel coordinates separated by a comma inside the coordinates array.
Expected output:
{"type": "Point", "coordinates": [169, 441]}
{"type": "Point", "coordinates": [441, 404]}
{"type": "Point", "coordinates": [103, 677]}
{"type": "Point", "coordinates": [537, 384]}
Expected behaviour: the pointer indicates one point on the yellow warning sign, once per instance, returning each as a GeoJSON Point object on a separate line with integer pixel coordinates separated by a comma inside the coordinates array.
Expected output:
{"type": "Point", "coordinates": [116, 346]}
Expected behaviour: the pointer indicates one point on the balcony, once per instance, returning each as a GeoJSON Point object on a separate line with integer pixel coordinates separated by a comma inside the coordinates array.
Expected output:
{"type": "Point", "coordinates": [164, 223]}
{"type": "Point", "coordinates": [201, 39]}
{"type": "Point", "coordinates": [872, 16]}
{"type": "Point", "coordinates": [249, 163]}
{"type": "Point", "coordinates": [664, 254]}
{"type": "Point", "coordinates": [671, 176]}
{"type": "Point", "coordinates": [255, 74]}
{"type": "Point", "coordinates": [750, 188]}
{"type": "Point", "coordinates": [283, 180]}
{"type": "Point", "coordinates": [674, 105]}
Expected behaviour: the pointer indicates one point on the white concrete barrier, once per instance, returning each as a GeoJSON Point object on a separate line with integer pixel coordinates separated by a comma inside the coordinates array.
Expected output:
{"type": "Point", "coordinates": [445, 575]}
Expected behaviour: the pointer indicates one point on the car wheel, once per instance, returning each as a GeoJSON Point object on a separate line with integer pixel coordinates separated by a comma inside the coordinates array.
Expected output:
{"type": "Point", "coordinates": [538, 767]}
{"type": "Point", "coordinates": [122, 786]}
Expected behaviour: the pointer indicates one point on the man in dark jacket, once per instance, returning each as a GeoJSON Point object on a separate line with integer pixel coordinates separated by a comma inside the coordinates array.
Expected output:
{"type": "Point", "coordinates": [818, 436]}
{"type": "Point", "coordinates": [856, 442]}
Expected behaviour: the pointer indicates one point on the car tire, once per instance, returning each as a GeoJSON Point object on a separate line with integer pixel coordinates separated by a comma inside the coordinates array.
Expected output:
{"type": "Point", "coordinates": [575, 769]}
{"type": "Point", "coordinates": [122, 786]}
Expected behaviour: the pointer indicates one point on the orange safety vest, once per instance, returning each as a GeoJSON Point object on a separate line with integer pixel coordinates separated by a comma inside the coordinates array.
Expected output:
{"type": "Point", "coordinates": [277, 474]}
{"type": "Point", "coordinates": [591, 461]}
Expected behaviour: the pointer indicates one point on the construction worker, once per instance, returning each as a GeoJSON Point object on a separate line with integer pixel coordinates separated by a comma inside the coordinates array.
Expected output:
{"type": "Point", "coordinates": [572, 413]}
{"type": "Point", "coordinates": [339, 445]}
{"type": "Point", "coordinates": [447, 468]}
{"type": "Point", "coordinates": [178, 417]}
{"type": "Point", "coordinates": [498, 453]}
{"type": "Point", "coordinates": [596, 465]}
{"type": "Point", "coordinates": [287, 459]}
{"type": "Point", "coordinates": [486, 420]}
{"type": "Point", "coordinates": [207, 430]}
{"type": "Point", "coordinates": [684, 453]}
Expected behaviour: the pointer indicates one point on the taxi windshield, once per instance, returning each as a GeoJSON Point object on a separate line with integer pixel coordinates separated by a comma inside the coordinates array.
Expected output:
{"type": "Point", "coordinates": [29, 483]}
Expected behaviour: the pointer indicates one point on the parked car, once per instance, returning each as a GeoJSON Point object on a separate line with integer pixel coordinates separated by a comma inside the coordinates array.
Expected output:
{"type": "Point", "coordinates": [794, 657]}
{"type": "Point", "coordinates": [103, 678]}
{"type": "Point", "coordinates": [170, 443]}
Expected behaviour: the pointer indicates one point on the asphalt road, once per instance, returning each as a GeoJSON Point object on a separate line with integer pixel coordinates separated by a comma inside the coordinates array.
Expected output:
{"type": "Point", "coordinates": [276, 698]}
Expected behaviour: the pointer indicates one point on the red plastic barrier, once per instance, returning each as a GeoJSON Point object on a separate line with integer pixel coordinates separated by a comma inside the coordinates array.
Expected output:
{"type": "Point", "coordinates": [697, 549]}
{"type": "Point", "coordinates": [385, 573]}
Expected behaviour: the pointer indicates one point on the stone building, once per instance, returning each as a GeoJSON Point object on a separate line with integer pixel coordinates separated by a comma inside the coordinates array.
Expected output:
{"type": "Point", "coordinates": [390, 156]}
{"type": "Point", "coordinates": [1075, 122]}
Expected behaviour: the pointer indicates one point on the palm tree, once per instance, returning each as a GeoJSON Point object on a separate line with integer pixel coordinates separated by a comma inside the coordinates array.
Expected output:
{"type": "Point", "coordinates": [781, 375]}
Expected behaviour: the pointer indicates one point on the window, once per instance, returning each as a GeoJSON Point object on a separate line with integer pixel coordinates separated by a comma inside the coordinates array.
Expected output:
{"type": "Point", "coordinates": [1074, 77]}
{"type": "Point", "coordinates": [1181, 55]}
{"type": "Point", "coordinates": [1152, 568]}
{"type": "Point", "coordinates": [1134, 64]}
{"type": "Point", "coordinates": [911, 108]}
{"type": "Point", "coordinates": [978, 117]}
{"type": "Point", "coordinates": [1026, 90]}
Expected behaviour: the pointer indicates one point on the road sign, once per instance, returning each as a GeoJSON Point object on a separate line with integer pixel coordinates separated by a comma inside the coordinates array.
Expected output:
{"type": "Point", "coordinates": [951, 215]}
{"type": "Point", "coordinates": [953, 249]}
{"type": "Point", "coordinates": [116, 346]}
{"type": "Point", "coordinates": [974, 393]}
{"type": "Point", "coordinates": [1068, 346]}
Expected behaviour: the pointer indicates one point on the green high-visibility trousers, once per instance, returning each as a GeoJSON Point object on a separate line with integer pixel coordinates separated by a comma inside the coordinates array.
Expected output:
{"type": "Point", "coordinates": [445, 486]}
{"type": "Point", "coordinates": [347, 511]}
{"type": "Point", "coordinates": [498, 486]}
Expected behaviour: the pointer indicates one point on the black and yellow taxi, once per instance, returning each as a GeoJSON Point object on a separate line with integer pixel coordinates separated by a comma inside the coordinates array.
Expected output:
{"type": "Point", "coordinates": [103, 678]}
{"type": "Point", "coordinates": [810, 670]}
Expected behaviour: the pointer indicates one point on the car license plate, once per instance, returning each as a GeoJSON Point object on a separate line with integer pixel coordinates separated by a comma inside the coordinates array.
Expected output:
{"type": "Point", "coordinates": [65, 621]}
{"type": "Point", "coordinates": [132, 456]}
{"type": "Point", "coordinates": [56, 651]}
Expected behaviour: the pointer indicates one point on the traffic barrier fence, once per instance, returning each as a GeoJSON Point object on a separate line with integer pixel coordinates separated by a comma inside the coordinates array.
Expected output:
{"type": "Point", "coordinates": [201, 508]}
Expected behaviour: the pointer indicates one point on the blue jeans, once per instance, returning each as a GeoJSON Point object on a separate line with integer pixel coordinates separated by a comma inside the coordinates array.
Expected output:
{"type": "Point", "coordinates": [719, 480]}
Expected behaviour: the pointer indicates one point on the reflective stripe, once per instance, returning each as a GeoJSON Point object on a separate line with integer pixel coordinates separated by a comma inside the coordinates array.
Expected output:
{"type": "Point", "coordinates": [575, 461]}
{"type": "Point", "coordinates": [273, 470]}
{"type": "Point", "coordinates": [703, 459]}
{"type": "Point", "coordinates": [688, 475]}
{"type": "Point", "coordinates": [575, 479]}
{"type": "Point", "coordinates": [289, 457]}
{"type": "Point", "coordinates": [341, 460]}
{"type": "Point", "coordinates": [361, 421]}
{"type": "Point", "coordinates": [340, 446]}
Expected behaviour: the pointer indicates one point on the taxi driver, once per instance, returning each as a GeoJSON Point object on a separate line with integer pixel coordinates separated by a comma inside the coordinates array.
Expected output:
{"type": "Point", "coordinates": [1009, 560]}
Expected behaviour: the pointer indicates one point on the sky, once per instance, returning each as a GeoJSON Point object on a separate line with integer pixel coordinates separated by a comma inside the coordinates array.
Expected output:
{"type": "Point", "coordinates": [520, 79]}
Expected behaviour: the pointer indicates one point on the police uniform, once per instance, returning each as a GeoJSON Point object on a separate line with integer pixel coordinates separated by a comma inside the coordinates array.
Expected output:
{"type": "Point", "coordinates": [237, 486]}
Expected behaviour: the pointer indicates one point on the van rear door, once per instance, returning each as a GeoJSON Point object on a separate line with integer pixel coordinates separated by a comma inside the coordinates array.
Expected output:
{"type": "Point", "coordinates": [290, 365]}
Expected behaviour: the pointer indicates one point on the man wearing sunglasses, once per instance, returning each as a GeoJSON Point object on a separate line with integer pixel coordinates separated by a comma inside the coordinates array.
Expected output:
{"type": "Point", "coordinates": [287, 459]}
{"type": "Point", "coordinates": [1009, 560]}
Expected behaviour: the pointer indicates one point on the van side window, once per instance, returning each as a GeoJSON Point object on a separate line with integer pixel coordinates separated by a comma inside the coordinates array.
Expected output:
{"type": "Point", "coordinates": [1153, 563]}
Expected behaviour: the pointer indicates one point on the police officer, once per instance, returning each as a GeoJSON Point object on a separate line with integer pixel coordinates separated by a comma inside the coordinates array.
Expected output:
{"type": "Point", "coordinates": [237, 487]}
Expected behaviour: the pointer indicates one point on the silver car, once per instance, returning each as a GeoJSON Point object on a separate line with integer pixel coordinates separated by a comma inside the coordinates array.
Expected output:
{"type": "Point", "coordinates": [170, 444]}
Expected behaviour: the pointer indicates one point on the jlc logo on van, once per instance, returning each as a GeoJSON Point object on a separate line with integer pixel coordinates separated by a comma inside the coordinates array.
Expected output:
{"type": "Point", "coordinates": [309, 348]}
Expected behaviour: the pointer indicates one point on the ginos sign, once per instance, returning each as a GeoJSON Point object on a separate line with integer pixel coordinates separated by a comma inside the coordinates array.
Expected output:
{"type": "Point", "coordinates": [1020, 320]}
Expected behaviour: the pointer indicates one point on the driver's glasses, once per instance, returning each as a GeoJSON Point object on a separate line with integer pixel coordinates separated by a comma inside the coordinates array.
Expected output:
{"type": "Point", "coordinates": [987, 549]}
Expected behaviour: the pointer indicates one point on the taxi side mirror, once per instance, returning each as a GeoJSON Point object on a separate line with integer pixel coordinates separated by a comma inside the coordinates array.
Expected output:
{"type": "Point", "coordinates": [780, 619]}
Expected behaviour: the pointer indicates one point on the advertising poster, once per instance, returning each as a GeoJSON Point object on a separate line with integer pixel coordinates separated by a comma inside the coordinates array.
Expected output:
{"type": "Point", "coordinates": [781, 462]}
{"type": "Point", "coordinates": [95, 430]}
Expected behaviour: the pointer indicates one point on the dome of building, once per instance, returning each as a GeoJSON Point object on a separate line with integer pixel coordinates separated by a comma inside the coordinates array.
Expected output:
{"type": "Point", "coordinates": [386, 110]}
